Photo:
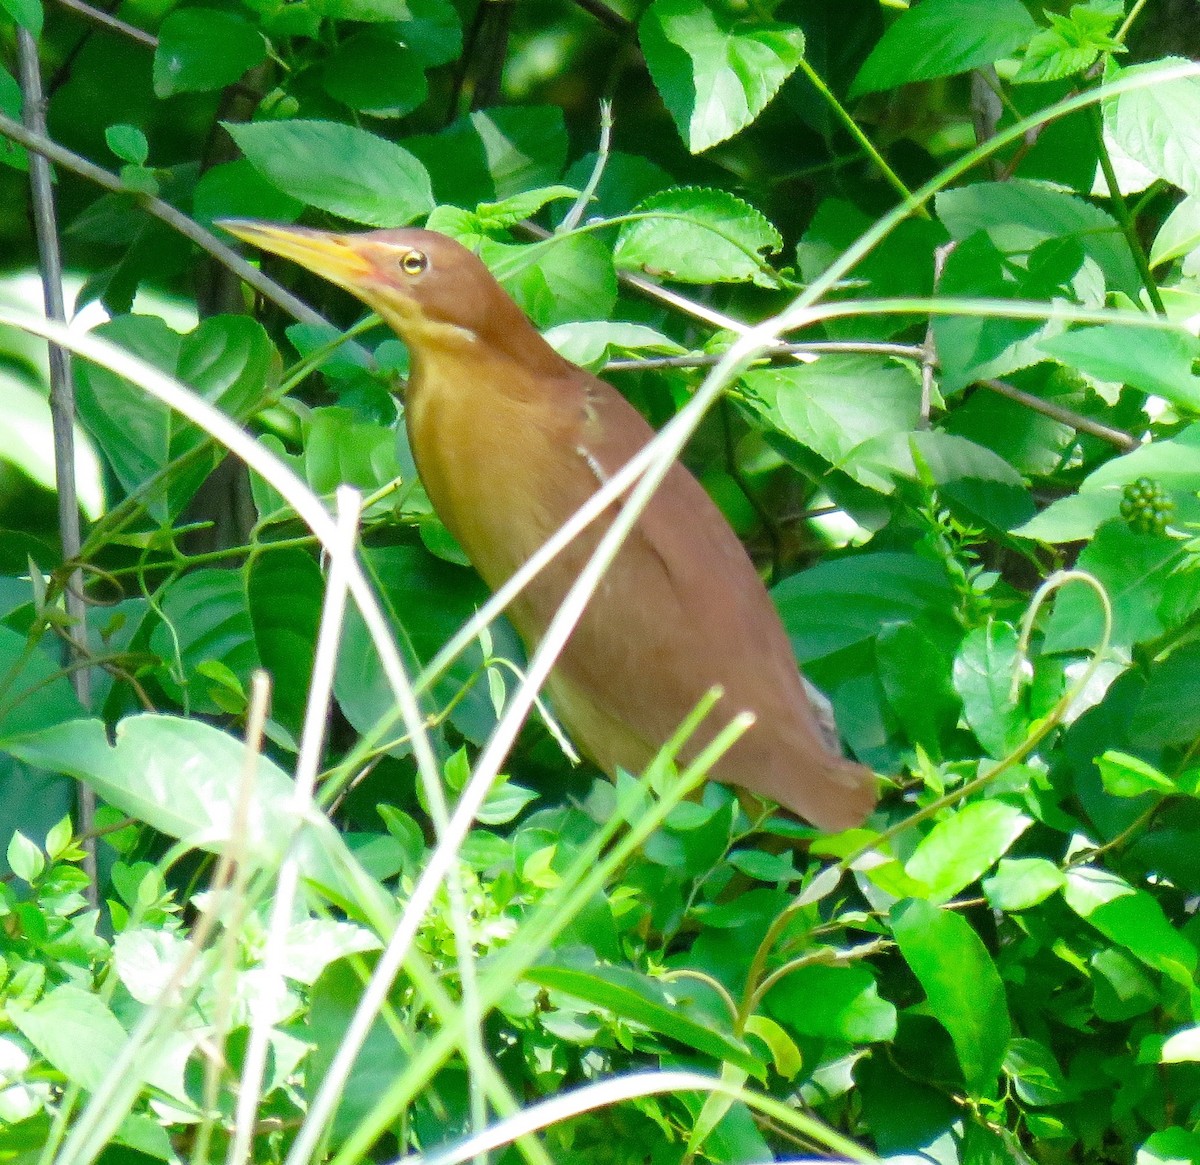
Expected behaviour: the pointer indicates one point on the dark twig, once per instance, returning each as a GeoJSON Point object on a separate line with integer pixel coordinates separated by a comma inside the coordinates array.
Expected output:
{"type": "Point", "coordinates": [112, 23]}
{"type": "Point", "coordinates": [1077, 421]}
{"type": "Point", "coordinates": [777, 352]}
{"type": "Point", "coordinates": [929, 348]}
{"type": "Point", "coordinates": [733, 468]}
{"type": "Point", "coordinates": [604, 14]}
{"type": "Point", "coordinates": [1121, 210]}
{"type": "Point", "coordinates": [490, 75]}
{"type": "Point", "coordinates": [1081, 424]}
{"type": "Point", "coordinates": [62, 412]}
{"type": "Point", "coordinates": [270, 290]}
{"type": "Point", "coordinates": [652, 290]}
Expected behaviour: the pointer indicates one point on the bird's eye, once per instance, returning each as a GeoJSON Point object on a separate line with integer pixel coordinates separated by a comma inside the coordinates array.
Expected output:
{"type": "Point", "coordinates": [414, 263]}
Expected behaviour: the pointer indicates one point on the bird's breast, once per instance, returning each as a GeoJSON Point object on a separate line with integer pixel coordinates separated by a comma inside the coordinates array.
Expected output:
{"type": "Point", "coordinates": [496, 458]}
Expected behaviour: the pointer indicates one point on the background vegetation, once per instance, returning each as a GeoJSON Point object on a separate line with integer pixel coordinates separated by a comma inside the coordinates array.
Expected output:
{"type": "Point", "coordinates": [977, 510]}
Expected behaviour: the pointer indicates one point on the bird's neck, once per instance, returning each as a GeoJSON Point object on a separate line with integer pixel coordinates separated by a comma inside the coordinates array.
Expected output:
{"type": "Point", "coordinates": [510, 359]}
{"type": "Point", "coordinates": [482, 423]}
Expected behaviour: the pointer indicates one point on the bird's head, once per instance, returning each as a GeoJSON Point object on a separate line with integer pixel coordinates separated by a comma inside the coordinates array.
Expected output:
{"type": "Point", "coordinates": [427, 286]}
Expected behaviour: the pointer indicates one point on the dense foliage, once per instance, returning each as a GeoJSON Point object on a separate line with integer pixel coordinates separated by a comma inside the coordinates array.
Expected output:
{"type": "Point", "coordinates": [972, 482]}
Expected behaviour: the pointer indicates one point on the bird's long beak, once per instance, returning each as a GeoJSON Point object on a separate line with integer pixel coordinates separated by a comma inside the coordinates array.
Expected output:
{"type": "Point", "coordinates": [333, 257]}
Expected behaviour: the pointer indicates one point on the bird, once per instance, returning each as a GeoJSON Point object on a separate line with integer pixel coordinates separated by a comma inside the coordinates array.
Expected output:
{"type": "Point", "coordinates": [509, 438]}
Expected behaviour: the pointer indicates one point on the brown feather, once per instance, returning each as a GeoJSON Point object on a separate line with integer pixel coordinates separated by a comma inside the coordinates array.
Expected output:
{"type": "Point", "coordinates": [510, 439]}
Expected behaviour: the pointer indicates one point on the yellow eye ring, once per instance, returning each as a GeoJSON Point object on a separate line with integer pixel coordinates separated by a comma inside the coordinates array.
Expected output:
{"type": "Point", "coordinates": [414, 263]}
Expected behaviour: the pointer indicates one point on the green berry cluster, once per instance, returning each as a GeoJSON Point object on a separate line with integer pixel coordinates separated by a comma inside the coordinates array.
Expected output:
{"type": "Point", "coordinates": [1146, 506]}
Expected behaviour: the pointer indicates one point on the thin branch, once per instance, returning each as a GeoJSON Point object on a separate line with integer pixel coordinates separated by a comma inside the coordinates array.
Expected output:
{"type": "Point", "coordinates": [605, 15]}
{"type": "Point", "coordinates": [855, 131]}
{"type": "Point", "coordinates": [575, 215]}
{"type": "Point", "coordinates": [1077, 421]}
{"type": "Point", "coordinates": [39, 143]}
{"type": "Point", "coordinates": [739, 479]}
{"type": "Point", "coordinates": [652, 290]}
{"type": "Point", "coordinates": [62, 415]}
{"type": "Point", "coordinates": [929, 347]}
{"type": "Point", "coordinates": [1121, 211]}
{"type": "Point", "coordinates": [112, 23]}
{"type": "Point", "coordinates": [1123, 31]}
{"type": "Point", "coordinates": [777, 352]}
{"type": "Point", "coordinates": [270, 290]}
{"type": "Point", "coordinates": [1122, 440]}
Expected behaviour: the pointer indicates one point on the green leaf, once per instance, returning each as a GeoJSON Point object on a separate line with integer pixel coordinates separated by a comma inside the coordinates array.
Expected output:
{"type": "Point", "coordinates": [972, 348]}
{"type": "Point", "coordinates": [591, 344]}
{"type": "Point", "coordinates": [980, 487]}
{"type": "Point", "coordinates": [568, 278]}
{"type": "Point", "coordinates": [1171, 1146]}
{"type": "Point", "coordinates": [836, 404]}
{"type": "Point", "coordinates": [833, 1003]}
{"type": "Point", "coordinates": [27, 13]}
{"type": "Point", "coordinates": [1018, 216]}
{"type": "Point", "coordinates": [1158, 125]}
{"type": "Point", "coordinates": [962, 985]}
{"type": "Point", "coordinates": [495, 154]}
{"type": "Point", "coordinates": [668, 1009]}
{"type": "Point", "coordinates": [503, 803]}
{"type": "Point", "coordinates": [915, 676]}
{"type": "Point", "coordinates": [204, 48]}
{"type": "Point", "coordinates": [431, 28]}
{"type": "Point", "coordinates": [1123, 986]}
{"type": "Point", "coordinates": [938, 38]}
{"type": "Point", "coordinates": [1035, 1073]}
{"type": "Point", "coordinates": [227, 359]}
{"type": "Point", "coordinates": [1173, 462]}
{"type": "Point", "coordinates": [1168, 711]}
{"type": "Point", "coordinates": [1179, 233]}
{"type": "Point", "coordinates": [983, 675]}
{"type": "Point", "coordinates": [518, 207]}
{"type": "Point", "coordinates": [204, 619]}
{"type": "Point", "coordinates": [627, 180]}
{"type": "Point", "coordinates": [699, 235]}
{"type": "Point", "coordinates": [58, 840]}
{"type": "Point", "coordinates": [341, 449]}
{"type": "Point", "coordinates": [237, 190]}
{"type": "Point", "coordinates": [964, 846]}
{"type": "Point", "coordinates": [128, 143]}
{"type": "Point", "coordinates": [1182, 1046]}
{"type": "Point", "coordinates": [34, 691]}
{"type": "Point", "coordinates": [715, 75]}
{"type": "Point", "coordinates": [1127, 776]}
{"type": "Point", "coordinates": [1154, 361]}
{"type": "Point", "coordinates": [334, 997]}
{"type": "Point", "coordinates": [1071, 43]}
{"type": "Point", "coordinates": [842, 602]}
{"type": "Point", "coordinates": [76, 1033]}
{"type": "Point", "coordinates": [339, 168]}
{"type": "Point", "coordinates": [785, 1056]}
{"type": "Point", "coordinates": [285, 632]}
{"type": "Point", "coordinates": [1148, 591]}
{"type": "Point", "coordinates": [764, 867]}
{"type": "Point", "coordinates": [901, 265]}
{"type": "Point", "coordinates": [1132, 918]}
{"type": "Point", "coordinates": [377, 74]}
{"type": "Point", "coordinates": [139, 774]}
{"type": "Point", "coordinates": [1020, 883]}
{"type": "Point", "coordinates": [24, 858]}
{"type": "Point", "coordinates": [427, 601]}
{"type": "Point", "coordinates": [12, 102]}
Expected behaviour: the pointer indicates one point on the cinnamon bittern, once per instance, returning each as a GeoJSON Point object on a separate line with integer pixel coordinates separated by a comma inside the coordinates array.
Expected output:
{"type": "Point", "coordinates": [509, 439]}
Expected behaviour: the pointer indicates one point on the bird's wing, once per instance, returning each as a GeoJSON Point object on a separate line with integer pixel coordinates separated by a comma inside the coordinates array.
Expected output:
{"type": "Point", "coordinates": [682, 609]}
